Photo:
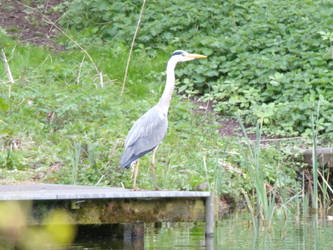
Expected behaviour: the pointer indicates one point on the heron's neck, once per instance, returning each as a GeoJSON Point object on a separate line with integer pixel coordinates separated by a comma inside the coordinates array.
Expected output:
{"type": "Point", "coordinates": [165, 99]}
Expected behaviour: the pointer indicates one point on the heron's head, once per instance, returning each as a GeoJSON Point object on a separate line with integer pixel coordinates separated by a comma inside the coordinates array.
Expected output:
{"type": "Point", "coordinates": [183, 56]}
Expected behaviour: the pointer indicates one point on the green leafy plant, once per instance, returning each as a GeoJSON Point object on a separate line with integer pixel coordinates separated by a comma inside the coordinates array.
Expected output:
{"type": "Point", "coordinates": [260, 52]}
{"type": "Point", "coordinates": [328, 36]}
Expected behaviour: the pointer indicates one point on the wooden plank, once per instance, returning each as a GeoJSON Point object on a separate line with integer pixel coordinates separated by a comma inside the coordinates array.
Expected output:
{"type": "Point", "coordinates": [71, 192]}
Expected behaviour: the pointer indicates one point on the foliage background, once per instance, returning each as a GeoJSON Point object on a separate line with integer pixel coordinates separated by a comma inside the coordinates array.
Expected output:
{"type": "Point", "coordinates": [267, 59]}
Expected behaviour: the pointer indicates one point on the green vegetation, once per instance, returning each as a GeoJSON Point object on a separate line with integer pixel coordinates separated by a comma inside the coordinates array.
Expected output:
{"type": "Point", "coordinates": [270, 64]}
{"type": "Point", "coordinates": [268, 59]}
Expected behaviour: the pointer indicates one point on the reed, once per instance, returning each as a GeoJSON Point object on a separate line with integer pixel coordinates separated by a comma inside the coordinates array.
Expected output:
{"type": "Point", "coordinates": [264, 200]}
{"type": "Point", "coordinates": [305, 198]}
{"type": "Point", "coordinates": [76, 161]}
{"type": "Point", "coordinates": [314, 165]}
{"type": "Point", "coordinates": [325, 188]}
{"type": "Point", "coordinates": [218, 179]}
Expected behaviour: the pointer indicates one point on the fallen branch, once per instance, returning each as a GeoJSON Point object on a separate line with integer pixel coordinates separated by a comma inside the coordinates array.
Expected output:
{"type": "Point", "coordinates": [23, 79]}
{"type": "Point", "coordinates": [281, 139]}
{"type": "Point", "coordinates": [230, 168]}
{"type": "Point", "coordinates": [9, 73]}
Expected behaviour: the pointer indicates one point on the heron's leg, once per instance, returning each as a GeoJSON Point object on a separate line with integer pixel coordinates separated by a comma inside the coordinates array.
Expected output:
{"type": "Point", "coordinates": [133, 169]}
{"type": "Point", "coordinates": [135, 173]}
{"type": "Point", "coordinates": [153, 169]}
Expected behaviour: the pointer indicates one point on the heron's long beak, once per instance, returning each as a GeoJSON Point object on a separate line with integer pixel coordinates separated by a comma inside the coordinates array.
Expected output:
{"type": "Point", "coordinates": [196, 56]}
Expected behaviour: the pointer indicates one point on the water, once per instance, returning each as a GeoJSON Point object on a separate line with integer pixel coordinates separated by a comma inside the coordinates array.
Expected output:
{"type": "Point", "coordinates": [231, 233]}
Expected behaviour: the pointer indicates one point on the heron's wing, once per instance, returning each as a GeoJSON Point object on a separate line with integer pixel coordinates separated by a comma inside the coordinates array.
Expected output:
{"type": "Point", "coordinates": [148, 131]}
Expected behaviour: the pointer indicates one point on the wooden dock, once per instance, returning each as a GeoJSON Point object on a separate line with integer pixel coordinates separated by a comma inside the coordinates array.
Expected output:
{"type": "Point", "coordinates": [92, 205]}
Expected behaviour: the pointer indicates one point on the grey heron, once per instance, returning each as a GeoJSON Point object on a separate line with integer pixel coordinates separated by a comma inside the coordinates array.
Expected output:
{"type": "Point", "coordinates": [150, 129]}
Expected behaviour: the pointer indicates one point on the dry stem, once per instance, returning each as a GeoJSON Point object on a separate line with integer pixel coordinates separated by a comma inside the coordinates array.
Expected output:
{"type": "Point", "coordinates": [131, 49]}
{"type": "Point", "coordinates": [10, 76]}
{"type": "Point", "coordinates": [80, 69]}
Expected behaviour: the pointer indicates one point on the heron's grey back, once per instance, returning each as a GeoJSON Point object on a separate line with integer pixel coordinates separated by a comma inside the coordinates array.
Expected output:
{"type": "Point", "coordinates": [146, 133]}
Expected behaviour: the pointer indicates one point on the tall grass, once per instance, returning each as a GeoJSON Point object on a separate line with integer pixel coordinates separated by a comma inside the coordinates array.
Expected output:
{"type": "Point", "coordinates": [75, 162]}
{"type": "Point", "coordinates": [320, 194]}
{"type": "Point", "coordinates": [263, 206]}
{"type": "Point", "coordinates": [314, 119]}
{"type": "Point", "coordinates": [218, 179]}
{"type": "Point", "coordinates": [265, 201]}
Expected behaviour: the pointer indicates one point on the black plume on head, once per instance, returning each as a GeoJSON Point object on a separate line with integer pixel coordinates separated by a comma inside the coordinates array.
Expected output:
{"type": "Point", "coordinates": [177, 52]}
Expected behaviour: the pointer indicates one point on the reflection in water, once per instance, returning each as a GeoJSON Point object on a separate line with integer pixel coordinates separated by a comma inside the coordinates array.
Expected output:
{"type": "Point", "coordinates": [234, 232]}
{"type": "Point", "coordinates": [209, 242]}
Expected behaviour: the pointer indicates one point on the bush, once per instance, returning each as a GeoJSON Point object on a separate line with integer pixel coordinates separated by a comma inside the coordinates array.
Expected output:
{"type": "Point", "coordinates": [268, 60]}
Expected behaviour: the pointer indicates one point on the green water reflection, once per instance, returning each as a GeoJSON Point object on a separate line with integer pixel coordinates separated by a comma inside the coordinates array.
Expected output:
{"type": "Point", "coordinates": [234, 232]}
{"type": "Point", "coordinates": [308, 233]}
